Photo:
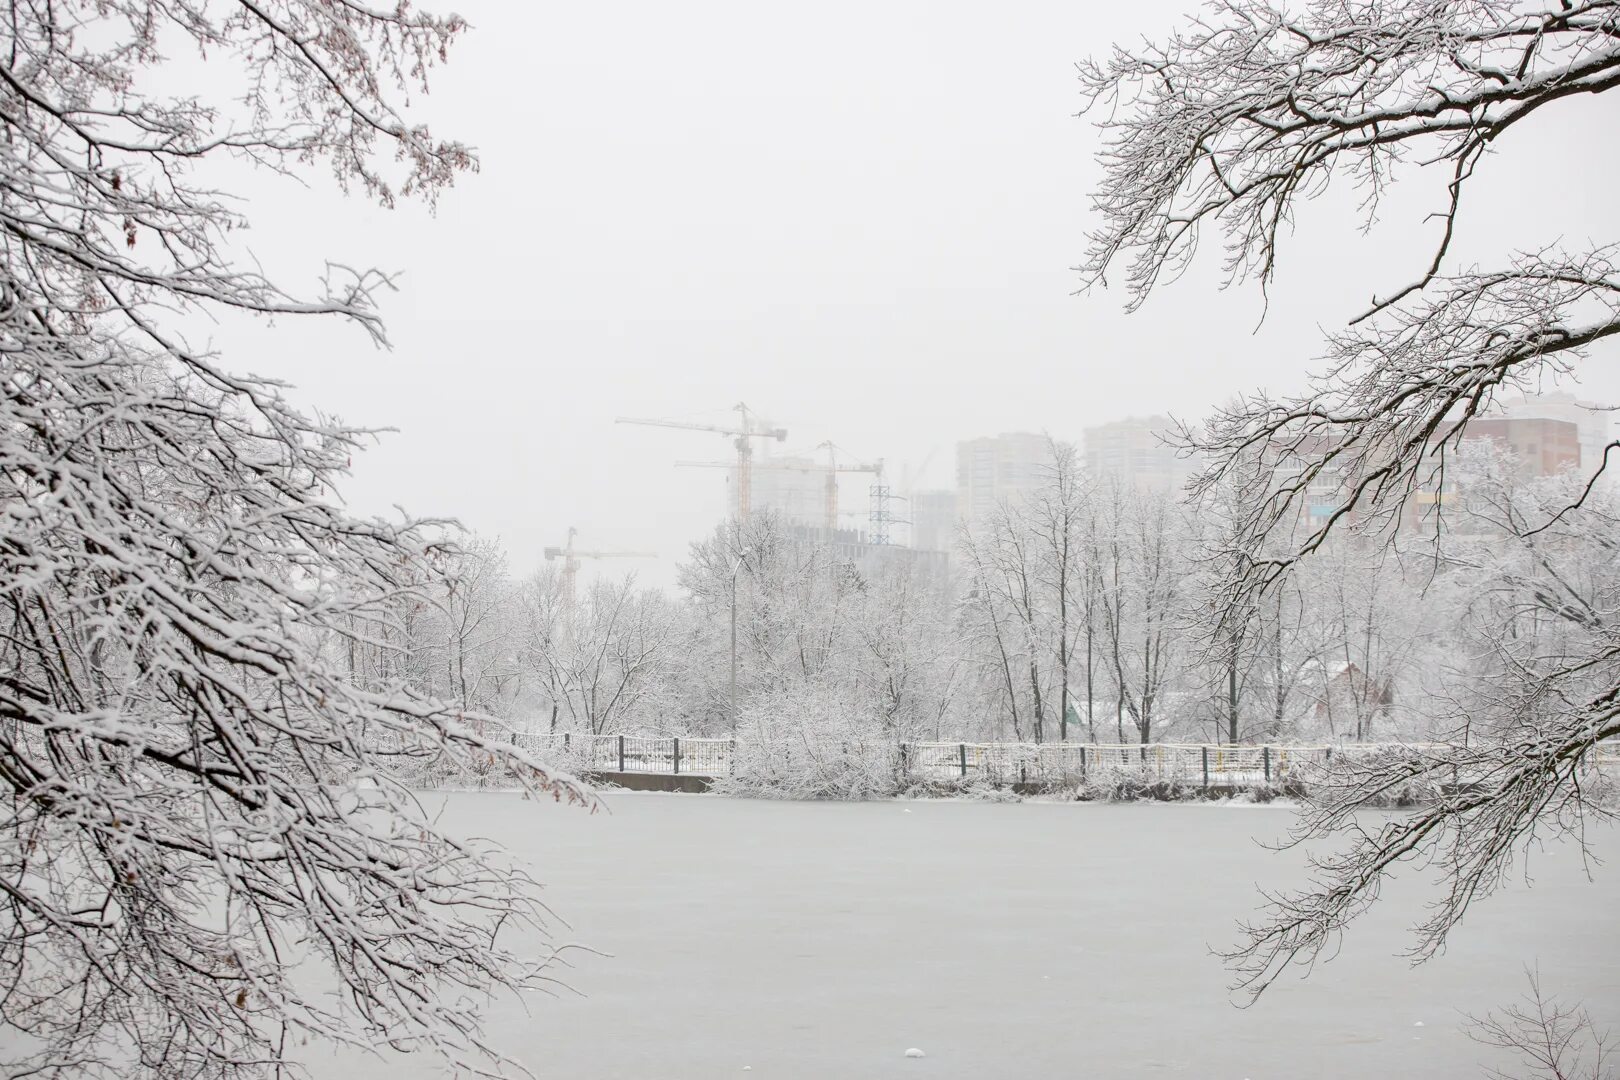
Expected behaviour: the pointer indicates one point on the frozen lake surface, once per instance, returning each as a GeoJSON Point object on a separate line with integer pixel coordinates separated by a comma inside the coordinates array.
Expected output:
{"type": "Point", "coordinates": [821, 940]}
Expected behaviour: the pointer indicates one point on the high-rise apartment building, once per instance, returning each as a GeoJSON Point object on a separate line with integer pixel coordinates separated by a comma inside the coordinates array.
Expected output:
{"type": "Point", "coordinates": [1594, 423]}
{"type": "Point", "coordinates": [794, 487]}
{"type": "Point", "coordinates": [1134, 451]}
{"type": "Point", "coordinates": [1540, 446]}
{"type": "Point", "coordinates": [933, 519]}
{"type": "Point", "coordinates": [1001, 468]}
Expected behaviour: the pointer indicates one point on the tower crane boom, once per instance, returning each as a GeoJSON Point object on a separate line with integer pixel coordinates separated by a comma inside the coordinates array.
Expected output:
{"type": "Point", "coordinates": [747, 429]}
{"type": "Point", "coordinates": [829, 470]}
{"type": "Point", "coordinates": [571, 555]}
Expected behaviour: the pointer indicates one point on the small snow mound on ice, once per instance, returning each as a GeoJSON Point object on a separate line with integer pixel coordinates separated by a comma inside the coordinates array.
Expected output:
{"type": "Point", "coordinates": [914, 1052]}
{"type": "Point", "coordinates": [1418, 1024]}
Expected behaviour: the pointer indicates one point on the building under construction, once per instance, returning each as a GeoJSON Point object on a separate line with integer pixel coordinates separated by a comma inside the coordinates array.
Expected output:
{"type": "Point", "coordinates": [808, 490]}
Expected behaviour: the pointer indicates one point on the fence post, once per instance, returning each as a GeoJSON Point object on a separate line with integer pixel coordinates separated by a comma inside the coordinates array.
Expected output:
{"type": "Point", "coordinates": [905, 762]}
{"type": "Point", "coordinates": [677, 742]}
{"type": "Point", "coordinates": [1205, 750]}
{"type": "Point", "coordinates": [1082, 763]}
{"type": "Point", "coordinates": [1265, 755]}
{"type": "Point", "coordinates": [621, 753]}
{"type": "Point", "coordinates": [961, 749]}
{"type": "Point", "coordinates": [565, 742]}
{"type": "Point", "coordinates": [731, 757]}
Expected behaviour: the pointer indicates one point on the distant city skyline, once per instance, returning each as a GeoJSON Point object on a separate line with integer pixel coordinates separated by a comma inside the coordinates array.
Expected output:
{"type": "Point", "coordinates": [883, 260]}
{"type": "Point", "coordinates": [1139, 451]}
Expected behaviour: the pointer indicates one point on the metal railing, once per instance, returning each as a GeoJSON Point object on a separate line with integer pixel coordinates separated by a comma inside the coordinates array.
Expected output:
{"type": "Point", "coordinates": [633, 753]}
{"type": "Point", "coordinates": [1196, 765]}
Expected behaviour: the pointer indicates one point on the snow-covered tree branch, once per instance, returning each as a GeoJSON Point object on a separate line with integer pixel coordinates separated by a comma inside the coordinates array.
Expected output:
{"type": "Point", "coordinates": [1232, 126]}
{"type": "Point", "coordinates": [204, 805]}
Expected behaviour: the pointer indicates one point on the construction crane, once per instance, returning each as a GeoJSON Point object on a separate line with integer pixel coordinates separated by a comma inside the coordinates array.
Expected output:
{"type": "Point", "coordinates": [830, 470]}
{"type": "Point", "coordinates": [571, 556]}
{"type": "Point", "coordinates": [749, 428]}
{"type": "Point", "coordinates": [833, 469]}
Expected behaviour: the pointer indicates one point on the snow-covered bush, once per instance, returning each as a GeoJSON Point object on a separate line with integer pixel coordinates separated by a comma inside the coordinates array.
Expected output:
{"type": "Point", "coordinates": [812, 745]}
{"type": "Point", "coordinates": [1131, 783]}
{"type": "Point", "coordinates": [803, 765]}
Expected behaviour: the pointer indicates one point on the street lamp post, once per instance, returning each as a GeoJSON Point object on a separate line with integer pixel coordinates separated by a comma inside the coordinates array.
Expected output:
{"type": "Point", "coordinates": [742, 556]}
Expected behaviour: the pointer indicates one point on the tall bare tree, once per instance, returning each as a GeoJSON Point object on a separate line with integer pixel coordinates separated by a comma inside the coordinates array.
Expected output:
{"type": "Point", "coordinates": [618, 646]}
{"type": "Point", "coordinates": [1007, 561]}
{"type": "Point", "coordinates": [1141, 604]}
{"type": "Point", "coordinates": [1058, 515]}
{"type": "Point", "coordinates": [990, 629]}
{"type": "Point", "coordinates": [475, 612]}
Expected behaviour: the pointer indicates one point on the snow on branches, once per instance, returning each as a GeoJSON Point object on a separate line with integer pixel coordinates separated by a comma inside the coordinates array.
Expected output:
{"type": "Point", "coordinates": [205, 819]}
{"type": "Point", "coordinates": [1231, 125]}
{"type": "Point", "coordinates": [1234, 122]}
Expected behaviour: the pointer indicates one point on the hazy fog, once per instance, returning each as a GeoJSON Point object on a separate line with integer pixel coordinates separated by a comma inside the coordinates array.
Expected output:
{"type": "Point", "coordinates": [860, 219]}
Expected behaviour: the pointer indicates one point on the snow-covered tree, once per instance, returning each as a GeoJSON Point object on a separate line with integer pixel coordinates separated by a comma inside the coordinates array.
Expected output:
{"type": "Point", "coordinates": [1229, 127]}
{"type": "Point", "coordinates": [1058, 515]}
{"type": "Point", "coordinates": [477, 667]}
{"type": "Point", "coordinates": [603, 660]}
{"type": "Point", "coordinates": [1031, 616]}
{"type": "Point", "coordinates": [907, 660]}
{"type": "Point", "coordinates": [838, 662]}
{"type": "Point", "coordinates": [202, 790]}
{"type": "Point", "coordinates": [1009, 603]}
{"type": "Point", "coordinates": [1230, 643]}
{"type": "Point", "coordinates": [1360, 634]}
{"type": "Point", "coordinates": [1143, 561]}
{"type": "Point", "coordinates": [793, 602]}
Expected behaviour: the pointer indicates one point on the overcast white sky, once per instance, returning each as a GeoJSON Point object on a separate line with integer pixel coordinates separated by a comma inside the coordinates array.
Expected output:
{"type": "Point", "coordinates": [859, 218]}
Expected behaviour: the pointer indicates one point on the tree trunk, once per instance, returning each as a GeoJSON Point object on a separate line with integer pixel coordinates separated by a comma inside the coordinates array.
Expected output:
{"type": "Point", "coordinates": [1035, 693]}
{"type": "Point", "coordinates": [1063, 647]}
{"type": "Point", "coordinates": [1231, 699]}
{"type": "Point", "coordinates": [1091, 717]}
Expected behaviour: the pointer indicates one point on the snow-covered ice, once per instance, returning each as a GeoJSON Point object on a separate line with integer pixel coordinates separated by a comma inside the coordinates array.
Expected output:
{"type": "Point", "coordinates": [804, 937]}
